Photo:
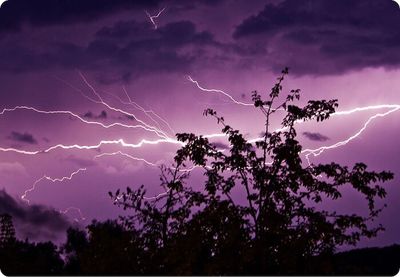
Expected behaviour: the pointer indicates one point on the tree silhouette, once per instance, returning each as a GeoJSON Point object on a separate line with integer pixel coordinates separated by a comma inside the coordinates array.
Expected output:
{"type": "Point", "coordinates": [25, 258]}
{"type": "Point", "coordinates": [7, 231]}
{"type": "Point", "coordinates": [106, 249]}
{"type": "Point", "coordinates": [280, 228]}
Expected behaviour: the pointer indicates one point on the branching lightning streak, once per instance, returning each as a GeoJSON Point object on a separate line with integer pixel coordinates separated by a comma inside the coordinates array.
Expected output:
{"type": "Point", "coordinates": [152, 17]}
{"type": "Point", "coordinates": [159, 132]}
{"type": "Point", "coordinates": [217, 91]}
{"type": "Point", "coordinates": [142, 160]}
{"type": "Point", "coordinates": [320, 150]}
{"type": "Point", "coordinates": [45, 177]}
{"type": "Point", "coordinates": [126, 155]}
{"type": "Point", "coordinates": [149, 129]}
{"type": "Point", "coordinates": [163, 137]}
{"type": "Point", "coordinates": [147, 111]}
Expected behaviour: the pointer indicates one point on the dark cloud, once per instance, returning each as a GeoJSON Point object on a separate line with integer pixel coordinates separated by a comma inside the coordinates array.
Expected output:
{"type": "Point", "coordinates": [123, 30]}
{"type": "Point", "coordinates": [13, 13]}
{"type": "Point", "coordinates": [102, 115]}
{"type": "Point", "coordinates": [35, 222]}
{"type": "Point", "coordinates": [315, 136]}
{"type": "Point", "coordinates": [340, 35]}
{"type": "Point", "coordinates": [22, 137]}
{"type": "Point", "coordinates": [124, 51]}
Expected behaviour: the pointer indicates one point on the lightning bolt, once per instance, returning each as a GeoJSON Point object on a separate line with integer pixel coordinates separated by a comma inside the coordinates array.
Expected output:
{"type": "Point", "coordinates": [217, 91]}
{"type": "Point", "coordinates": [153, 17]}
{"type": "Point", "coordinates": [74, 115]}
{"type": "Point", "coordinates": [53, 180]}
{"type": "Point", "coordinates": [159, 132]}
{"type": "Point", "coordinates": [318, 151]}
{"type": "Point", "coordinates": [120, 142]}
{"type": "Point", "coordinates": [125, 155]}
{"type": "Point", "coordinates": [148, 113]}
{"type": "Point", "coordinates": [163, 137]}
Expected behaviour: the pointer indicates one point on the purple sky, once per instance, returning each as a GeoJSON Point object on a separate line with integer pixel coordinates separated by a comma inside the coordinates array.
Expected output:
{"type": "Point", "coordinates": [342, 49]}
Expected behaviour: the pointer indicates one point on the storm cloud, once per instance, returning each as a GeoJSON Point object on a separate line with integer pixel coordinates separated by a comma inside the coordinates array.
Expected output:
{"type": "Point", "coordinates": [341, 35]}
{"type": "Point", "coordinates": [14, 13]}
{"type": "Point", "coordinates": [126, 49]}
{"type": "Point", "coordinates": [37, 222]}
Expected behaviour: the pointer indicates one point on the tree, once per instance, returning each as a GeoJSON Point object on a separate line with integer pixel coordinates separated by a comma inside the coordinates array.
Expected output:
{"type": "Point", "coordinates": [26, 258]}
{"type": "Point", "coordinates": [108, 249]}
{"type": "Point", "coordinates": [7, 231]}
{"type": "Point", "coordinates": [282, 226]}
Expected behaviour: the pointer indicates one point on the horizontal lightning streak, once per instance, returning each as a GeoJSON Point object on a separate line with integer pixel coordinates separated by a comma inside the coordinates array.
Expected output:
{"type": "Point", "coordinates": [79, 118]}
{"type": "Point", "coordinates": [163, 136]}
{"type": "Point", "coordinates": [316, 152]}
{"type": "Point", "coordinates": [89, 147]}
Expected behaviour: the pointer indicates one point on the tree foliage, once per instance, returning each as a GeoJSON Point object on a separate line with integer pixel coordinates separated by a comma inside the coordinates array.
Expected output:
{"type": "Point", "coordinates": [281, 226]}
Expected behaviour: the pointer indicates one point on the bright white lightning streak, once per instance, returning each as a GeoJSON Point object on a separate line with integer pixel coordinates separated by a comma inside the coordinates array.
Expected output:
{"type": "Point", "coordinates": [45, 177]}
{"type": "Point", "coordinates": [320, 150]}
{"type": "Point", "coordinates": [217, 135]}
{"type": "Point", "coordinates": [82, 218]}
{"type": "Point", "coordinates": [159, 132]}
{"type": "Point", "coordinates": [89, 147]}
{"type": "Point", "coordinates": [152, 17]}
{"type": "Point", "coordinates": [149, 129]}
{"type": "Point", "coordinates": [218, 91]}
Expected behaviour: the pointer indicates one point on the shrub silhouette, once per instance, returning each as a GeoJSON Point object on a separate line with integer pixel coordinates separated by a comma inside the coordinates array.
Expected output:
{"type": "Point", "coordinates": [281, 228]}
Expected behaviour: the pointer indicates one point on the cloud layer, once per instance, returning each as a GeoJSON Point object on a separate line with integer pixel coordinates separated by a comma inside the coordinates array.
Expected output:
{"type": "Point", "coordinates": [16, 12]}
{"type": "Point", "coordinates": [340, 35]}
